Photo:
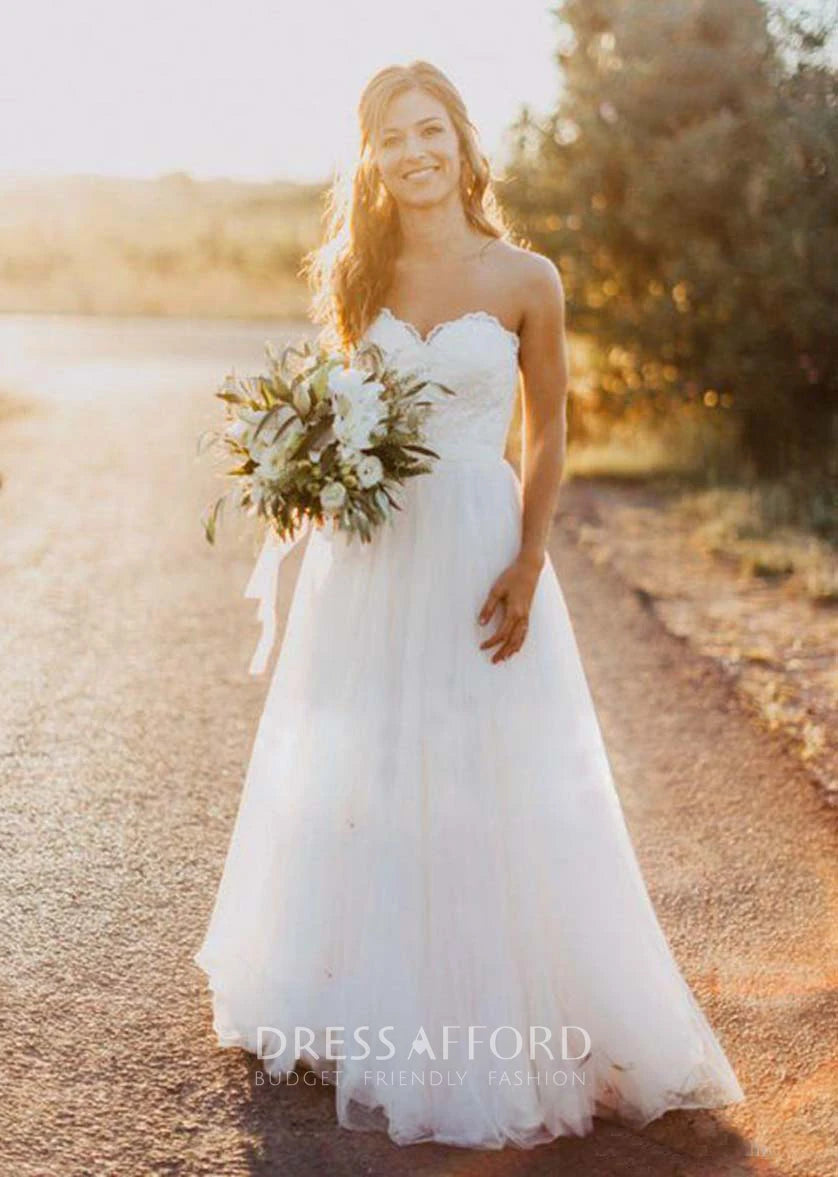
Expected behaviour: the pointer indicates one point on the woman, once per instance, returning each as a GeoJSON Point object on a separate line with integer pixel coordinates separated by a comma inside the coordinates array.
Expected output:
{"type": "Point", "coordinates": [430, 897]}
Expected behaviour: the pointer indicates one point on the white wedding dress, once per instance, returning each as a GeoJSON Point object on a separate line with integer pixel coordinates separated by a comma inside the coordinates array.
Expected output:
{"type": "Point", "coordinates": [426, 838]}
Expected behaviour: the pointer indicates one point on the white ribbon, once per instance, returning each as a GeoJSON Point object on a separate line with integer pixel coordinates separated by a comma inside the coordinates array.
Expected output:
{"type": "Point", "coordinates": [263, 585]}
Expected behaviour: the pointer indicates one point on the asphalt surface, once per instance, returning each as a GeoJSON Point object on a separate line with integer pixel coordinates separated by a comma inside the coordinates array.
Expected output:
{"type": "Point", "coordinates": [126, 720]}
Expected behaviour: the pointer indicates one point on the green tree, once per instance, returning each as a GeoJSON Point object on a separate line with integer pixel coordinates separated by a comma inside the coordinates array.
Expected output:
{"type": "Point", "coordinates": [686, 186]}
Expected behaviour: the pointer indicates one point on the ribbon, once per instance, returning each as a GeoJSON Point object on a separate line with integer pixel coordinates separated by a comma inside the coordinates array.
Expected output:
{"type": "Point", "coordinates": [263, 585]}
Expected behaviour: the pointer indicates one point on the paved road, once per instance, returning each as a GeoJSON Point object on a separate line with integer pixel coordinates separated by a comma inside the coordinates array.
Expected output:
{"type": "Point", "coordinates": [127, 715]}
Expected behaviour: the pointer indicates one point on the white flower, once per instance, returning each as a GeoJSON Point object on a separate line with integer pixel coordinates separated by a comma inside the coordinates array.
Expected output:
{"type": "Point", "coordinates": [370, 471]}
{"type": "Point", "coordinates": [354, 429]}
{"type": "Point", "coordinates": [271, 464]}
{"type": "Point", "coordinates": [357, 406]}
{"type": "Point", "coordinates": [350, 388]}
{"type": "Point", "coordinates": [344, 380]}
{"type": "Point", "coordinates": [333, 496]}
{"type": "Point", "coordinates": [348, 454]}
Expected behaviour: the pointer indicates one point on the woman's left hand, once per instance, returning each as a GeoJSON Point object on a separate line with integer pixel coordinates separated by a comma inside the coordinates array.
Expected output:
{"type": "Point", "coordinates": [514, 587]}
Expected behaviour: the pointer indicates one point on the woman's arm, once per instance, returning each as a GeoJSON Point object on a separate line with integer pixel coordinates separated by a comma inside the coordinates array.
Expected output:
{"type": "Point", "coordinates": [544, 365]}
{"type": "Point", "coordinates": [545, 369]}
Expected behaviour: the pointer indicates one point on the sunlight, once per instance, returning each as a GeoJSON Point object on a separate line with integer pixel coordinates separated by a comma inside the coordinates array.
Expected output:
{"type": "Point", "coordinates": [253, 90]}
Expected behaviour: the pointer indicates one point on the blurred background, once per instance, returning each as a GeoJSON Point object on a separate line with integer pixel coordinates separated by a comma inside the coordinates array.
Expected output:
{"type": "Point", "coordinates": [163, 173]}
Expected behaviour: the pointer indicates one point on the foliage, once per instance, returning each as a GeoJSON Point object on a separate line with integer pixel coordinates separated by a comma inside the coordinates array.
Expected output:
{"type": "Point", "coordinates": [687, 187]}
{"type": "Point", "coordinates": [318, 438]}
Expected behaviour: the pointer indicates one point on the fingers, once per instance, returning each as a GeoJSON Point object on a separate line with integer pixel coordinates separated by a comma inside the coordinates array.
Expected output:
{"type": "Point", "coordinates": [513, 642]}
{"type": "Point", "coordinates": [509, 637]}
{"type": "Point", "coordinates": [500, 634]}
{"type": "Point", "coordinates": [491, 603]}
{"type": "Point", "coordinates": [510, 634]}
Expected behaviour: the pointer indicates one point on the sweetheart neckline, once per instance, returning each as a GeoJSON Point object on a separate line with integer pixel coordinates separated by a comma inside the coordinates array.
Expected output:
{"type": "Point", "coordinates": [486, 316]}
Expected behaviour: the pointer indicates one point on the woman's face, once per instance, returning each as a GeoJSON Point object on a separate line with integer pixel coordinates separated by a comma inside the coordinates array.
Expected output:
{"type": "Point", "coordinates": [416, 149]}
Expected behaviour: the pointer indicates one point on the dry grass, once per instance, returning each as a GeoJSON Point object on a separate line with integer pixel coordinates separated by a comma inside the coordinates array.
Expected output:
{"type": "Point", "coordinates": [172, 246]}
{"type": "Point", "coordinates": [759, 600]}
{"type": "Point", "coordinates": [734, 524]}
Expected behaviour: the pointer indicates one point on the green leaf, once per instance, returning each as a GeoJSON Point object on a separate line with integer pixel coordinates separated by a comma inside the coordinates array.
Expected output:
{"type": "Point", "coordinates": [212, 518]}
{"type": "Point", "coordinates": [291, 350]}
{"type": "Point", "coordinates": [393, 502]}
{"type": "Point", "coordinates": [420, 449]}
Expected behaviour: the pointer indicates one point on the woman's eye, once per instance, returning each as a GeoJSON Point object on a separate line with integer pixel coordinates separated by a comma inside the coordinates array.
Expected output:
{"type": "Point", "coordinates": [391, 140]}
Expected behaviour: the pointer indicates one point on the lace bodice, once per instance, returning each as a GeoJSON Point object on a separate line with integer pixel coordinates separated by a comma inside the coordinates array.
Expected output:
{"type": "Point", "coordinates": [477, 357]}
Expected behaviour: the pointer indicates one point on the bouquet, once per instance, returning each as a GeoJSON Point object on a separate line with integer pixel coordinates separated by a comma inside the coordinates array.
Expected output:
{"type": "Point", "coordinates": [321, 438]}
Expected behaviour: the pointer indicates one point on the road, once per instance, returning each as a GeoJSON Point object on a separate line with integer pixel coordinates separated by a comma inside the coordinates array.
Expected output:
{"type": "Point", "coordinates": [127, 716]}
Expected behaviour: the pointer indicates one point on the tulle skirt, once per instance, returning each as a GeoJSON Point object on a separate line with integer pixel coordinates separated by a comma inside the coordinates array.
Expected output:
{"type": "Point", "coordinates": [430, 879]}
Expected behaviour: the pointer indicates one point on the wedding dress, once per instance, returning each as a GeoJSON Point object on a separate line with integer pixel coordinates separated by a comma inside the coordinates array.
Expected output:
{"type": "Point", "coordinates": [428, 839]}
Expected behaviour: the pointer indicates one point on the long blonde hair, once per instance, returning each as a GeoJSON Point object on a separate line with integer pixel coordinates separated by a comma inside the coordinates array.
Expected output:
{"type": "Point", "coordinates": [350, 273]}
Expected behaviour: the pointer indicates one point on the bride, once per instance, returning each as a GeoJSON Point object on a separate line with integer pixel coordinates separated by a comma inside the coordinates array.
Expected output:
{"type": "Point", "coordinates": [430, 898]}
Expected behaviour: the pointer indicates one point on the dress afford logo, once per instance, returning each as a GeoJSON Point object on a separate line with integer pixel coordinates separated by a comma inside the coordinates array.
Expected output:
{"type": "Point", "coordinates": [504, 1042]}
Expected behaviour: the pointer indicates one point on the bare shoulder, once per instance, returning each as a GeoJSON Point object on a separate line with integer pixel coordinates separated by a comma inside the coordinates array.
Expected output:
{"type": "Point", "coordinates": [534, 286]}
{"type": "Point", "coordinates": [540, 287]}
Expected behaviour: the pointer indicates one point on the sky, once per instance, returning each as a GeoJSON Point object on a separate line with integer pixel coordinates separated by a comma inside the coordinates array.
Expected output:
{"type": "Point", "coordinates": [246, 89]}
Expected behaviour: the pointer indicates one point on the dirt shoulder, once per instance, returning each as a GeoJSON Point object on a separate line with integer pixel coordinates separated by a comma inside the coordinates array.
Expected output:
{"type": "Point", "coordinates": [745, 606]}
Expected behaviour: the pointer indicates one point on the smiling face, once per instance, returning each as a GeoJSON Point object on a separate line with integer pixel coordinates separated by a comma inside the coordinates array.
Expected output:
{"type": "Point", "coordinates": [417, 150]}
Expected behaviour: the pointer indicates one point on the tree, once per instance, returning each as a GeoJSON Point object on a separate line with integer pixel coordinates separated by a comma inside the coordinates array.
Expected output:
{"type": "Point", "coordinates": [686, 187]}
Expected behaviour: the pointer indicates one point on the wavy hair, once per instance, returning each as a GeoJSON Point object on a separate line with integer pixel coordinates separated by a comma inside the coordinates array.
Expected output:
{"type": "Point", "coordinates": [351, 271]}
